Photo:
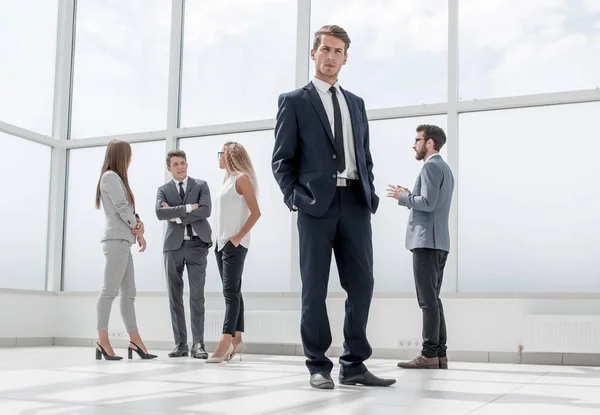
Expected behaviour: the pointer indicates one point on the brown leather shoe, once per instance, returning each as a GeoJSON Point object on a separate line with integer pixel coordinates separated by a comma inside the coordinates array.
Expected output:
{"type": "Point", "coordinates": [443, 362]}
{"type": "Point", "coordinates": [421, 362]}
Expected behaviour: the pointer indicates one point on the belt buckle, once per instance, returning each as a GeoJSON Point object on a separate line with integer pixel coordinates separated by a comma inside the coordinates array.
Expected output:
{"type": "Point", "coordinates": [342, 182]}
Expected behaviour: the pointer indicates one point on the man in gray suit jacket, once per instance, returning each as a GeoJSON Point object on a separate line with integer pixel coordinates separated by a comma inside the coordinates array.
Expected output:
{"type": "Point", "coordinates": [428, 239]}
{"type": "Point", "coordinates": [186, 204]}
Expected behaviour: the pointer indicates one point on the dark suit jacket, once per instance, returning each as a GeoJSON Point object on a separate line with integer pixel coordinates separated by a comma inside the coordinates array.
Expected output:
{"type": "Point", "coordinates": [304, 157]}
{"type": "Point", "coordinates": [196, 192]}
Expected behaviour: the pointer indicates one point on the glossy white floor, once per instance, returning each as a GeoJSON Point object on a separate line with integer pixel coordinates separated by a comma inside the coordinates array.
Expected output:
{"type": "Point", "coordinates": [64, 380]}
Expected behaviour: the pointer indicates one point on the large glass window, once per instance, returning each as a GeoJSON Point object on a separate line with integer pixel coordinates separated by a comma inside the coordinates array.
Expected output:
{"type": "Point", "coordinates": [121, 67]}
{"type": "Point", "coordinates": [528, 200]}
{"type": "Point", "coordinates": [238, 57]}
{"type": "Point", "coordinates": [268, 266]}
{"type": "Point", "coordinates": [511, 47]}
{"type": "Point", "coordinates": [84, 261]}
{"type": "Point", "coordinates": [28, 31]}
{"type": "Point", "coordinates": [398, 50]}
{"type": "Point", "coordinates": [25, 183]}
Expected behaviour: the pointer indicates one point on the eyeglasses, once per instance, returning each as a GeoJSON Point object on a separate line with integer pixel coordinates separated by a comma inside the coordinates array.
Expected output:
{"type": "Point", "coordinates": [219, 154]}
{"type": "Point", "coordinates": [418, 139]}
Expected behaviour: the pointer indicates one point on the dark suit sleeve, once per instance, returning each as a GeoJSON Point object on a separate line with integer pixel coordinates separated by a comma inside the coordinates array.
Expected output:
{"type": "Point", "coordinates": [204, 207]}
{"type": "Point", "coordinates": [369, 160]}
{"type": "Point", "coordinates": [166, 213]}
{"type": "Point", "coordinates": [431, 182]}
{"type": "Point", "coordinates": [285, 149]}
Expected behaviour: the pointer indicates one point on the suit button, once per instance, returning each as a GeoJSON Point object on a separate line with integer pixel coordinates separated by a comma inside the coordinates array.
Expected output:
{"type": "Point", "coordinates": [334, 157]}
{"type": "Point", "coordinates": [333, 176]}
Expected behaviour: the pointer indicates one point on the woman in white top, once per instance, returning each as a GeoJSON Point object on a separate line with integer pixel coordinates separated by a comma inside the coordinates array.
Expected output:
{"type": "Point", "coordinates": [235, 212]}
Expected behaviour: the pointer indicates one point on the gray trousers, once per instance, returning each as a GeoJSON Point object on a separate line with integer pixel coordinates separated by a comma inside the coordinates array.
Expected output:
{"type": "Point", "coordinates": [192, 255]}
{"type": "Point", "coordinates": [118, 274]}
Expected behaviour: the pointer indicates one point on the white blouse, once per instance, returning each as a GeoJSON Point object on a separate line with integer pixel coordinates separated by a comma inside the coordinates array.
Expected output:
{"type": "Point", "coordinates": [230, 212]}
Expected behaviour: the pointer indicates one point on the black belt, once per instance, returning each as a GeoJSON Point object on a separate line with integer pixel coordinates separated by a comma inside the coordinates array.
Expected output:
{"type": "Point", "coordinates": [197, 239]}
{"type": "Point", "coordinates": [341, 182]}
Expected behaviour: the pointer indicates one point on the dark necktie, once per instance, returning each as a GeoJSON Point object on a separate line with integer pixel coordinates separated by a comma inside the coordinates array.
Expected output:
{"type": "Point", "coordinates": [338, 131]}
{"type": "Point", "coordinates": [182, 194]}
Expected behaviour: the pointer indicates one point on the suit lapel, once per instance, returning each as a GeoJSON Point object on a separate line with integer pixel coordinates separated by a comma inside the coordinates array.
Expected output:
{"type": "Point", "coordinates": [190, 186]}
{"type": "Point", "coordinates": [315, 100]}
{"type": "Point", "coordinates": [174, 189]}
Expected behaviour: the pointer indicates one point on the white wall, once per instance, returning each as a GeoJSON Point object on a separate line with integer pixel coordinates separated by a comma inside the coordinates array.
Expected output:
{"type": "Point", "coordinates": [27, 315]}
{"type": "Point", "coordinates": [475, 323]}
{"type": "Point", "coordinates": [481, 327]}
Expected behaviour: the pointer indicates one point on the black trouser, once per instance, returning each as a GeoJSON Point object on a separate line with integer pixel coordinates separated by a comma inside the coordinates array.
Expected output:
{"type": "Point", "coordinates": [428, 266]}
{"type": "Point", "coordinates": [346, 229]}
{"type": "Point", "coordinates": [230, 261]}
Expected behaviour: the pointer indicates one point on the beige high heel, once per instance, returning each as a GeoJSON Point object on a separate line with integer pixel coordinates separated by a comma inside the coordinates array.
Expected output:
{"type": "Point", "coordinates": [225, 357]}
{"type": "Point", "coordinates": [238, 349]}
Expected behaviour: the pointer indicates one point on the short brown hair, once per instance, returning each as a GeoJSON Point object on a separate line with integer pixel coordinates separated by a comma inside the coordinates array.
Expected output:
{"type": "Point", "coordinates": [435, 133]}
{"type": "Point", "coordinates": [332, 30]}
{"type": "Point", "coordinates": [175, 153]}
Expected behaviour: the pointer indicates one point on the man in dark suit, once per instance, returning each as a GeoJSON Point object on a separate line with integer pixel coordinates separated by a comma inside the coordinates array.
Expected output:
{"type": "Point", "coordinates": [322, 163]}
{"type": "Point", "coordinates": [428, 238]}
{"type": "Point", "coordinates": [185, 203]}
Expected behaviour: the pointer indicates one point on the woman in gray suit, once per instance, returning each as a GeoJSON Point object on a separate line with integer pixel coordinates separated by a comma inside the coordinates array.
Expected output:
{"type": "Point", "coordinates": [122, 228]}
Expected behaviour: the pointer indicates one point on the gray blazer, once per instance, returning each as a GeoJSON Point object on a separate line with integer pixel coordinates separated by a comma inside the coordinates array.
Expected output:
{"type": "Point", "coordinates": [429, 205]}
{"type": "Point", "coordinates": [196, 192]}
{"type": "Point", "coordinates": [118, 211]}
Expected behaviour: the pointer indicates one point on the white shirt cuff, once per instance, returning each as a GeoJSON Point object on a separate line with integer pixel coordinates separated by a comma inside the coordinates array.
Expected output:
{"type": "Point", "coordinates": [188, 208]}
{"type": "Point", "coordinates": [178, 220]}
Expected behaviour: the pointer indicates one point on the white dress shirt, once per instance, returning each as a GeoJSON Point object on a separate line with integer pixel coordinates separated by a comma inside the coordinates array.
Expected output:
{"type": "Point", "coordinates": [188, 208]}
{"type": "Point", "coordinates": [325, 95]}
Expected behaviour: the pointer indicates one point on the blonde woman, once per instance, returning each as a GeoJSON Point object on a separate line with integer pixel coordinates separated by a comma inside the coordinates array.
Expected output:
{"type": "Point", "coordinates": [122, 228]}
{"type": "Point", "coordinates": [235, 212]}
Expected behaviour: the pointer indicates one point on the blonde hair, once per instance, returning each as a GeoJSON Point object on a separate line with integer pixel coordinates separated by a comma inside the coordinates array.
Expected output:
{"type": "Point", "coordinates": [237, 161]}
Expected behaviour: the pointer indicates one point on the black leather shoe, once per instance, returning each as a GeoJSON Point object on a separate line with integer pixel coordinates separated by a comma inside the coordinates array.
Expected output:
{"type": "Point", "coordinates": [367, 379]}
{"type": "Point", "coordinates": [180, 350]}
{"type": "Point", "coordinates": [198, 351]}
{"type": "Point", "coordinates": [321, 380]}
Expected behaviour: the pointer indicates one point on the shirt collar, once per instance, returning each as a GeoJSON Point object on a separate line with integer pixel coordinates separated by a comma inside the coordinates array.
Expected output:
{"type": "Point", "coordinates": [324, 86]}
{"type": "Point", "coordinates": [185, 182]}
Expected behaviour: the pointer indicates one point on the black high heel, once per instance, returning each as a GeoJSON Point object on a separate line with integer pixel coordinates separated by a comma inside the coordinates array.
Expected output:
{"type": "Point", "coordinates": [139, 351]}
{"type": "Point", "coordinates": [101, 352]}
